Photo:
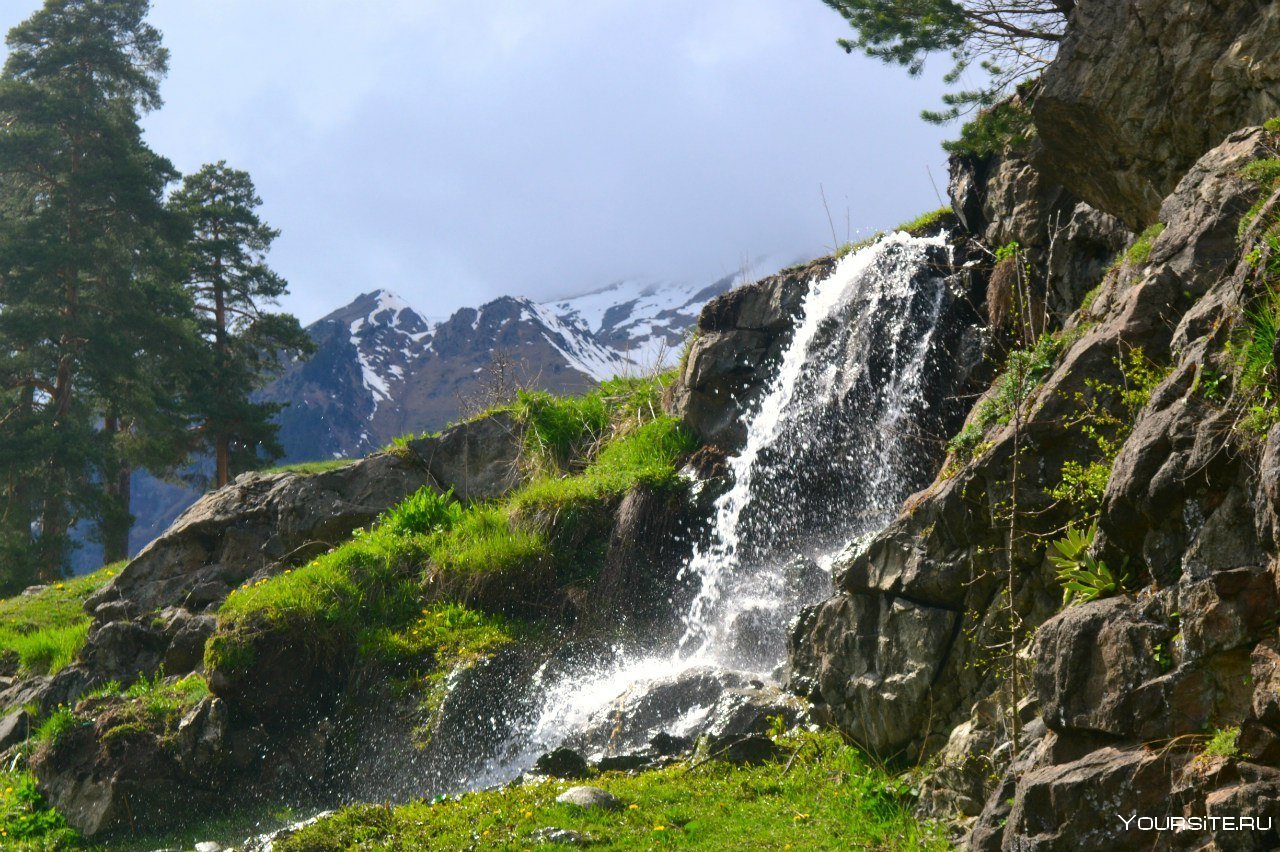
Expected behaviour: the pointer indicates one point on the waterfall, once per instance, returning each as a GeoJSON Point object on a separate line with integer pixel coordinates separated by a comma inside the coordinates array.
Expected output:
{"type": "Point", "coordinates": [830, 454]}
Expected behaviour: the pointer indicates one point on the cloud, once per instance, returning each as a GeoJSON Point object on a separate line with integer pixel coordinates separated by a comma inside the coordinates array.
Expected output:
{"type": "Point", "coordinates": [454, 152]}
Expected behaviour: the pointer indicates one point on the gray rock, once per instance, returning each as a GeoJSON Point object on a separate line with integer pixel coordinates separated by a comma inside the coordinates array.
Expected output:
{"type": "Point", "coordinates": [750, 750]}
{"type": "Point", "coordinates": [259, 521]}
{"type": "Point", "coordinates": [14, 728]}
{"type": "Point", "coordinates": [741, 335]}
{"type": "Point", "coordinates": [872, 660]}
{"type": "Point", "coordinates": [479, 460]}
{"type": "Point", "coordinates": [562, 836]}
{"type": "Point", "coordinates": [1140, 90]}
{"type": "Point", "coordinates": [590, 798]}
{"type": "Point", "coordinates": [186, 644]}
{"type": "Point", "coordinates": [202, 737]}
{"type": "Point", "coordinates": [1090, 662]}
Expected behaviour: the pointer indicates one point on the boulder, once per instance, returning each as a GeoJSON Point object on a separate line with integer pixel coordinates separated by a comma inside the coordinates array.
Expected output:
{"type": "Point", "coordinates": [479, 459]}
{"type": "Point", "coordinates": [872, 660]}
{"type": "Point", "coordinates": [1140, 90]}
{"type": "Point", "coordinates": [590, 798]}
{"type": "Point", "coordinates": [258, 522]}
{"type": "Point", "coordinates": [1090, 662]}
{"type": "Point", "coordinates": [562, 763]}
{"type": "Point", "coordinates": [15, 727]}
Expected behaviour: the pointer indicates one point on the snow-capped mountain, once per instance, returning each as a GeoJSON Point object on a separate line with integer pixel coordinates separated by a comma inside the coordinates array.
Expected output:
{"type": "Point", "coordinates": [382, 369]}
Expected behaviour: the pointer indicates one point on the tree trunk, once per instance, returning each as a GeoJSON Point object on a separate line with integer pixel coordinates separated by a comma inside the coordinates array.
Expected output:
{"type": "Point", "coordinates": [117, 520]}
{"type": "Point", "coordinates": [223, 453]}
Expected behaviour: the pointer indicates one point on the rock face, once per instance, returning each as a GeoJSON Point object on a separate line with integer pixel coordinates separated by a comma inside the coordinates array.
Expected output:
{"type": "Point", "coordinates": [256, 523]}
{"type": "Point", "coordinates": [740, 337]}
{"type": "Point", "coordinates": [1140, 90]}
{"type": "Point", "coordinates": [899, 657]}
{"type": "Point", "coordinates": [120, 773]}
{"type": "Point", "coordinates": [1003, 199]}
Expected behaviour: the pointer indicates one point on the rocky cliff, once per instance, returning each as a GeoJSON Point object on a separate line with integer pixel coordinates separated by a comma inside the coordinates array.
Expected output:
{"type": "Point", "coordinates": [1053, 726]}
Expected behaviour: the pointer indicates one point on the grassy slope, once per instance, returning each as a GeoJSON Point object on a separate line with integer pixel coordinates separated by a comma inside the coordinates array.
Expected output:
{"type": "Point", "coordinates": [389, 587]}
{"type": "Point", "coordinates": [829, 797]}
{"type": "Point", "coordinates": [46, 629]}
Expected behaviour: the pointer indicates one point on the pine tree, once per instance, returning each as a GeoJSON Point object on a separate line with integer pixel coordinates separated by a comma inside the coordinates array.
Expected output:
{"type": "Point", "coordinates": [231, 283]}
{"type": "Point", "coordinates": [1010, 40]}
{"type": "Point", "coordinates": [84, 306]}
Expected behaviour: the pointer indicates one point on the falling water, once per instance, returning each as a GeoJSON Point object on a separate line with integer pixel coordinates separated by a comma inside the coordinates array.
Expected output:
{"type": "Point", "coordinates": [829, 455]}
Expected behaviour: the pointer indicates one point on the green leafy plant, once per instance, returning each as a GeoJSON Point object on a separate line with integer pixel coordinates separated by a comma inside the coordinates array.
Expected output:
{"type": "Point", "coordinates": [1223, 743]}
{"type": "Point", "coordinates": [1106, 413]}
{"type": "Point", "coordinates": [1082, 577]}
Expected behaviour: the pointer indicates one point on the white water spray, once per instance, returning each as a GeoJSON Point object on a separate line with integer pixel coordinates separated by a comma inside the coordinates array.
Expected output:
{"type": "Point", "coordinates": [849, 384]}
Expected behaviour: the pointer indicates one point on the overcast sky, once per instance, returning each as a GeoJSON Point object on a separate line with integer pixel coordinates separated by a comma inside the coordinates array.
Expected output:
{"type": "Point", "coordinates": [454, 151]}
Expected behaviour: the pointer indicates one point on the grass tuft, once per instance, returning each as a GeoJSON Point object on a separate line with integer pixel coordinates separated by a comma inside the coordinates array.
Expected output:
{"type": "Point", "coordinates": [45, 630]}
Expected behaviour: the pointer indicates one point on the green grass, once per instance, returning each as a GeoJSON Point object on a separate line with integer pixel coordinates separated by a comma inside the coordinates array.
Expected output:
{"type": "Point", "coordinates": [47, 629]}
{"type": "Point", "coordinates": [924, 220]}
{"type": "Point", "coordinates": [920, 223]}
{"type": "Point", "coordinates": [310, 467]}
{"type": "Point", "coordinates": [27, 821]}
{"type": "Point", "coordinates": [830, 797]}
{"type": "Point", "coordinates": [1140, 252]}
{"type": "Point", "coordinates": [503, 558]}
{"type": "Point", "coordinates": [1265, 173]}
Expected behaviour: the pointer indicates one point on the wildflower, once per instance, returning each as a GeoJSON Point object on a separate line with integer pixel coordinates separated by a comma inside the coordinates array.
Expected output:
{"type": "Point", "coordinates": [659, 828]}
{"type": "Point", "coordinates": [528, 814]}
{"type": "Point", "coordinates": [799, 817]}
{"type": "Point", "coordinates": [634, 807]}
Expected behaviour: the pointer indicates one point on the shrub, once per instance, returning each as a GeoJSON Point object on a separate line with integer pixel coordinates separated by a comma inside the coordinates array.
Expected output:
{"type": "Point", "coordinates": [1223, 743]}
{"type": "Point", "coordinates": [1106, 413]}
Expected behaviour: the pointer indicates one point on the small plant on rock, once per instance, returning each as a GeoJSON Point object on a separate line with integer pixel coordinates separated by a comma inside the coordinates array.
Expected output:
{"type": "Point", "coordinates": [1083, 578]}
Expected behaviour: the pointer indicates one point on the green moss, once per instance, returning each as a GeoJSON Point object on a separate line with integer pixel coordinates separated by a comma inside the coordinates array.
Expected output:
{"type": "Point", "coordinates": [829, 797]}
{"type": "Point", "coordinates": [48, 628]}
{"type": "Point", "coordinates": [1140, 252]}
{"type": "Point", "coordinates": [310, 467]}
